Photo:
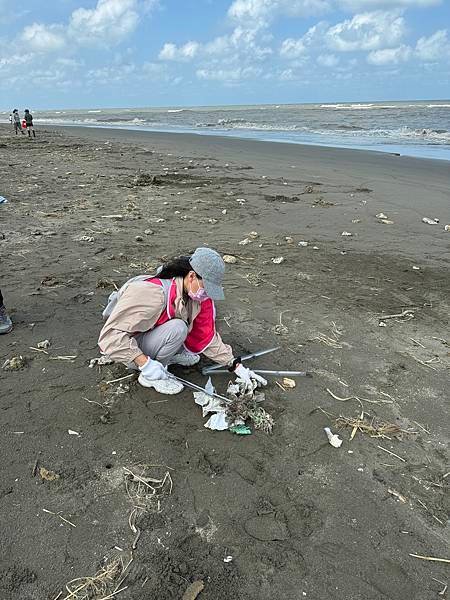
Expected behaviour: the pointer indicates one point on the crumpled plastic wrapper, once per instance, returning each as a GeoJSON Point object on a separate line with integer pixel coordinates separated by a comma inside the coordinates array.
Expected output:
{"type": "Point", "coordinates": [218, 420]}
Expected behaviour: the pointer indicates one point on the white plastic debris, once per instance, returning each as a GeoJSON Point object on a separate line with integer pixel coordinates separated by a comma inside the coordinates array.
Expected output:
{"type": "Point", "coordinates": [333, 438]}
{"type": "Point", "coordinates": [214, 406]}
{"type": "Point", "coordinates": [447, 228]}
{"type": "Point", "coordinates": [224, 212]}
{"type": "Point", "coordinates": [253, 234]}
{"type": "Point", "coordinates": [227, 559]}
{"type": "Point", "coordinates": [72, 432]}
{"type": "Point", "coordinates": [102, 360]}
{"type": "Point", "coordinates": [241, 200]}
{"type": "Point", "coordinates": [245, 242]}
{"type": "Point", "coordinates": [386, 221]}
{"type": "Point", "coordinates": [289, 239]}
{"type": "Point", "coordinates": [201, 398]}
{"type": "Point", "coordinates": [429, 221]}
{"type": "Point", "coordinates": [233, 388]}
{"type": "Point", "coordinates": [303, 244]}
{"type": "Point", "coordinates": [217, 422]}
{"type": "Point", "coordinates": [3, 200]}
{"type": "Point", "coordinates": [381, 216]}
{"type": "Point", "coordinates": [278, 260]}
{"type": "Point", "coordinates": [43, 345]}
{"type": "Point", "coordinates": [229, 258]}
{"type": "Point", "coordinates": [416, 268]}
{"type": "Point", "coordinates": [346, 233]}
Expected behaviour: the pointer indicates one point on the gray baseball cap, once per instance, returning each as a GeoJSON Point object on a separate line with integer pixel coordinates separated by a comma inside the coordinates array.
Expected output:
{"type": "Point", "coordinates": [210, 266]}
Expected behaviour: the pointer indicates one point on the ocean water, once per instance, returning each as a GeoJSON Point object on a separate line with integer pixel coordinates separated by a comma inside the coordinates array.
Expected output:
{"type": "Point", "coordinates": [409, 128]}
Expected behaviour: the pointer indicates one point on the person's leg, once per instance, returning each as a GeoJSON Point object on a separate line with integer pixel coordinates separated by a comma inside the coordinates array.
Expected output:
{"type": "Point", "coordinates": [34, 133]}
{"type": "Point", "coordinates": [164, 341]}
{"type": "Point", "coordinates": [5, 322]}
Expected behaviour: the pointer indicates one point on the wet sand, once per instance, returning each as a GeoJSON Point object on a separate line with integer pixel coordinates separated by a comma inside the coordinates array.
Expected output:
{"type": "Point", "coordinates": [299, 518]}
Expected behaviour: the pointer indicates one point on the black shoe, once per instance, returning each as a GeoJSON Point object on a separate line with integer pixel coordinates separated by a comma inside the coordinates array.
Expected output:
{"type": "Point", "coordinates": [5, 322]}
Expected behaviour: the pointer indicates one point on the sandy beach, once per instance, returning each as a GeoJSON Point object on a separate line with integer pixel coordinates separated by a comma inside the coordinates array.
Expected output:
{"type": "Point", "coordinates": [367, 313]}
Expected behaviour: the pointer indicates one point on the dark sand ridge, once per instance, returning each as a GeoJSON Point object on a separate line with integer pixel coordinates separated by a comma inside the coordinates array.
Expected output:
{"type": "Point", "coordinates": [299, 518]}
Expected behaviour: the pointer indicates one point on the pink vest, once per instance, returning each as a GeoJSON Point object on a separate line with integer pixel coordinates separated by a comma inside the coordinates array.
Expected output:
{"type": "Point", "coordinates": [203, 327]}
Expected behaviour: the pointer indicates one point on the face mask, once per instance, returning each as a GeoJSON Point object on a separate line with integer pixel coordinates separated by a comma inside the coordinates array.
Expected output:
{"type": "Point", "coordinates": [198, 296]}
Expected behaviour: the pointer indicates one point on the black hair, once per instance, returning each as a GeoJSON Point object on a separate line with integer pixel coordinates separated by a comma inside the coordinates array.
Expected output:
{"type": "Point", "coordinates": [177, 267]}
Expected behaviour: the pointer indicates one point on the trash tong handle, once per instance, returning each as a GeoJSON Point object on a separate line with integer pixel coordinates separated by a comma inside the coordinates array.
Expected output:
{"type": "Point", "coordinates": [207, 370]}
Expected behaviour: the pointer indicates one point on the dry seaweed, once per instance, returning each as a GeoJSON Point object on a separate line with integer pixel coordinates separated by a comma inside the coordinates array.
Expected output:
{"type": "Point", "coordinates": [372, 428]}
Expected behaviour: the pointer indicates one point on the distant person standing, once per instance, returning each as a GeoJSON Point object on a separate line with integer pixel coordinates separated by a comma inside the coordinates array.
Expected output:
{"type": "Point", "coordinates": [5, 322]}
{"type": "Point", "coordinates": [17, 124]}
{"type": "Point", "coordinates": [29, 123]}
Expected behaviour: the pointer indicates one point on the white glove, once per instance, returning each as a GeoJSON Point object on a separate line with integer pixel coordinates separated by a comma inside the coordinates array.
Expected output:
{"type": "Point", "coordinates": [247, 376]}
{"type": "Point", "coordinates": [153, 369]}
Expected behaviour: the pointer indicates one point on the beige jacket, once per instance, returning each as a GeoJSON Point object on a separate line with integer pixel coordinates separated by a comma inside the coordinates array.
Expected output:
{"type": "Point", "coordinates": [137, 311]}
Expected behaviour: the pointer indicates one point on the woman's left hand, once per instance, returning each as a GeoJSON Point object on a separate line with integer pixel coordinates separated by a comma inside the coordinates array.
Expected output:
{"type": "Point", "coordinates": [248, 377]}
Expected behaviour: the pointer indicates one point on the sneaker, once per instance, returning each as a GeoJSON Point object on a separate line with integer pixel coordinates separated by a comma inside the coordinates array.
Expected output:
{"type": "Point", "coordinates": [185, 358]}
{"type": "Point", "coordinates": [5, 322]}
{"type": "Point", "coordinates": [163, 386]}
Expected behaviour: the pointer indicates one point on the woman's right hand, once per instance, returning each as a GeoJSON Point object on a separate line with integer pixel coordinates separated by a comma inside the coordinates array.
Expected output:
{"type": "Point", "coordinates": [248, 376]}
{"type": "Point", "coordinates": [153, 369]}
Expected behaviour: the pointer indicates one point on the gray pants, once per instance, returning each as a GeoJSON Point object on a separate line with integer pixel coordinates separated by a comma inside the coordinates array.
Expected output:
{"type": "Point", "coordinates": [164, 341]}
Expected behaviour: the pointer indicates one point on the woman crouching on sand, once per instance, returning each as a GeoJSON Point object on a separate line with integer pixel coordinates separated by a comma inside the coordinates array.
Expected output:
{"type": "Point", "coordinates": [169, 318]}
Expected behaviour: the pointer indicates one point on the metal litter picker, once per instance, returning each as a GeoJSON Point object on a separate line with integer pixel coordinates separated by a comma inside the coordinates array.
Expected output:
{"type": "Point", "coordinates": [216, 369]}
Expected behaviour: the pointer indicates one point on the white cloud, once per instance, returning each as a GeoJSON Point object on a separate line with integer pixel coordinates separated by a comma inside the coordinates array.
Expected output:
{"type": "Point", "coordinates": [241, 46]}
{"type": "Point", "coordinates": [13, 61]}
{"type": "Point", "coordinates": [186, 52]}
{"type": "Point", "coordinates": [261, 12]}
{"type": "Point", "coordinates": [389, 56]}
{"type": "Point", "coordinates": [43, 38]}
{"type": "Point", "coordinates": [229, 75]}
{"type": "Point", "coordinates": [362, 5]}
{"type": "Point", "coordinates": [287, 75]}
{"type": "Point", "coordinates": [106, 24]}
{"type": "Point", "coordinates": [328, 60]}
{"type": "Point", "coordinates": [291, 48]}
{"type": "Point", "coordinates": [434, 48]}
{"type": "Point", "coordinates": [367, 31]}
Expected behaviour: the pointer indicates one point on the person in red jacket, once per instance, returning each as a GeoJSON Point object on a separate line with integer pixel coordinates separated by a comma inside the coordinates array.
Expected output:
{"type": "Point", "coordinates": [167, 318]}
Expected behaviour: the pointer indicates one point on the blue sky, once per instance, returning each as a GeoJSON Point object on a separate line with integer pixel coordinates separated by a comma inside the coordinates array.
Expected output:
{"type": "Point", "coordinates": [117, 53]}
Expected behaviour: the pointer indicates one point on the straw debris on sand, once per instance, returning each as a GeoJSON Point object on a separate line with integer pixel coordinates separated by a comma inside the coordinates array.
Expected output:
{"type": "Point", "coordinates": [101, 586]}
{"type": "Point", "coordinates": [372, 428]}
